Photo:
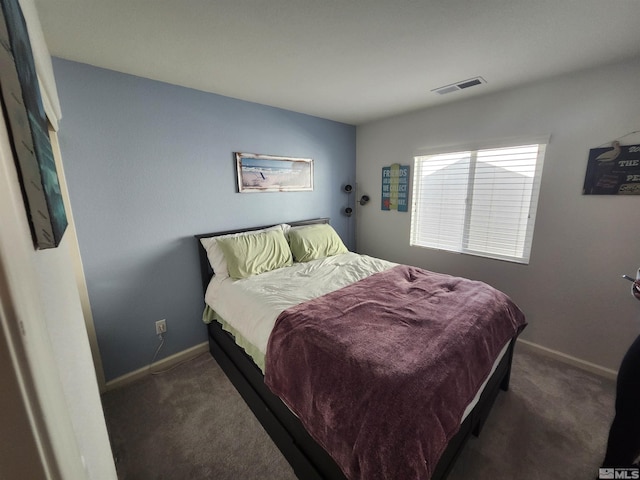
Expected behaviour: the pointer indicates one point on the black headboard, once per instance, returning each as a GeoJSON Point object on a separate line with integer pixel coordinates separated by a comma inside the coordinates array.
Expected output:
{"type": "Point", "coordinates": [205, 268]}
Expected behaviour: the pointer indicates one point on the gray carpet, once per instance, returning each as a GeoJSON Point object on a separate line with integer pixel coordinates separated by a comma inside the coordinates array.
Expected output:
{"type": "Point", "coordinates": [190, 423]}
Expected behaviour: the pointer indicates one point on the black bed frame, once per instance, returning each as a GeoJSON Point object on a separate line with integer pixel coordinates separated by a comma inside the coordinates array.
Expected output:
{"type": "Point", "coordinates": [308, 459]}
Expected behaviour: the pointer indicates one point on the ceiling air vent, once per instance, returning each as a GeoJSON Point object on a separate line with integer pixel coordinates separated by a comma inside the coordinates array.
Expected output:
{"type": "Point", "coordinates": [454, 87]}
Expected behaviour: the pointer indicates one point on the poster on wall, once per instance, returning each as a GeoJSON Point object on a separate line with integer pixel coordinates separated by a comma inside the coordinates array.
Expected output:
{"type": "Point", "coordinates": [613, 170]}
{"type": "Point", "coordinates": [28, 128]}
{"type": "Point", "coordinates": [395, 187]}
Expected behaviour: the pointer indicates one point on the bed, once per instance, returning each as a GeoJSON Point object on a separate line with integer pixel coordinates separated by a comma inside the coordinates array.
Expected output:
{"type": "Point", "coordinates": [321, 329]}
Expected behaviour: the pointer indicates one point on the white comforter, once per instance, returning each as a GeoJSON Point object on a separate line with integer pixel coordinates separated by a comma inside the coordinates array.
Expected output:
{"type": "Point", "coordinates": [252, 305]}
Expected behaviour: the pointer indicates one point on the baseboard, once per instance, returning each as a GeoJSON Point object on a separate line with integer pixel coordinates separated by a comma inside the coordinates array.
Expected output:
{"type": "Point", "coordinates": [158, 366]}
{"type": "Point", "coordinates": [568, 359]}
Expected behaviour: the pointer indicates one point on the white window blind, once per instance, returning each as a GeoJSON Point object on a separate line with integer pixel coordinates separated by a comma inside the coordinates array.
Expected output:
{"type": "Point", "coordinates": [481, 202]}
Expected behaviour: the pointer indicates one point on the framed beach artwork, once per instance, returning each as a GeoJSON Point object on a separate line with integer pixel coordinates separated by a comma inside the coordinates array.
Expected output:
{"type": "Point", "coordinates": [268, 173]}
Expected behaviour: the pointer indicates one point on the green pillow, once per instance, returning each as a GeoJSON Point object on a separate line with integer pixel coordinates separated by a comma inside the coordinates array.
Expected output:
{"type": "Point", "coordinates": [253, 254]}
{"type": "Point", "coordinates": [315, 241]}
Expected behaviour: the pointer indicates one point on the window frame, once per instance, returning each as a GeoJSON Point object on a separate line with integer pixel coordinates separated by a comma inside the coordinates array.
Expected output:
{"type": "Point", "coordinates": [473, 149]}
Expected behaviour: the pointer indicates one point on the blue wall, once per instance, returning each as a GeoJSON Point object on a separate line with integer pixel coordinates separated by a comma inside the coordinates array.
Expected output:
{"type": "Point", "coordinates": [149, 165]}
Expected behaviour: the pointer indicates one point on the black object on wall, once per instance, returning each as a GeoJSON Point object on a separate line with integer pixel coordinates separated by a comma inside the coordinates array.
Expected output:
{"type": "Point", "coordinates": [348, 211]}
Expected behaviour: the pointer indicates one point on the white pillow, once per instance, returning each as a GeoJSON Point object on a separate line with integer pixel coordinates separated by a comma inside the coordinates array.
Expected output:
{"type": "Point", "coordinates": [214, 252]}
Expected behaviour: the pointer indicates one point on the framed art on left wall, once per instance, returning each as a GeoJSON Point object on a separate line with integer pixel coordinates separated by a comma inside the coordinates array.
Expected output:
{"type": "Point", "coordinates": [269, 173]}
{"type": "Point", "coordinates": [28, 129]}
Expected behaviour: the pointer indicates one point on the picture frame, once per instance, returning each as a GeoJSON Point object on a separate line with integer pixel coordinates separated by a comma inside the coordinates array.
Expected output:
{"type": "Point", "coordinates": [613, 170]}
{"type": "Point", "coordinates": [395, 188]}
{"type": "Point", "coordinates": [258, 173]}
{"type": "Point", "coordinates": [29, 130]}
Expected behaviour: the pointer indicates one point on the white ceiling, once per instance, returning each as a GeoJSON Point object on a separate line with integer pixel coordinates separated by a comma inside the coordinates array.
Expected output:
{"type": "Point", "coordinates": [352, 61]}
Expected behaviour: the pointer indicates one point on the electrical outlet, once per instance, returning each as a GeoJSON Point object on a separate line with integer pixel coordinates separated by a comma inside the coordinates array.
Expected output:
{"type": "Point", "coordinates": [161, 327]}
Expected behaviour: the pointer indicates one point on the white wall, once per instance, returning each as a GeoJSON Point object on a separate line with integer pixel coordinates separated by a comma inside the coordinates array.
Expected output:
{"type": "Point", "coordinates": [65, 325]}
{"type": "Point", "coordinates": [43, 330]}
{"type": "Point", "coordinates": [572, 293]}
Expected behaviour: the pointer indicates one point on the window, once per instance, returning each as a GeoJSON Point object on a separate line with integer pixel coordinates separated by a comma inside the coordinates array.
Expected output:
{"type": "Point", "coordinates": [480, 202]}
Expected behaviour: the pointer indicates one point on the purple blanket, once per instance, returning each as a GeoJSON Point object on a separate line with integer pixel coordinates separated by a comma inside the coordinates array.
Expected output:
{"type": "Point", "coordinates": [380, 372]}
